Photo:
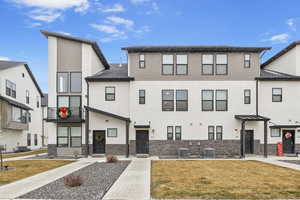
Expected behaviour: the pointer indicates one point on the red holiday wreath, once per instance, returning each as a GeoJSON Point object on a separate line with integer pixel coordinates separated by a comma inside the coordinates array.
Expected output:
{"type": "Point", "coordinates": [288, 135]}
{"type": "Point", "coordinates": [64, 112]}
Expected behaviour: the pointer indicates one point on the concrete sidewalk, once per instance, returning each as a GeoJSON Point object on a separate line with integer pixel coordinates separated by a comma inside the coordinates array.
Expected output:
{"type": "Point", "coordinates": [23, 186]}
{"type": "Point", "coordinates": [134, 183]}
{"type": "Point", "coordinates": [23, 157]}
{"type": "Point", "coordinates": [275, 161]}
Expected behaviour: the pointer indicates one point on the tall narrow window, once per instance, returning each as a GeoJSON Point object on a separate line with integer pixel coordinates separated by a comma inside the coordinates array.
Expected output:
{"type": "Point", "coordinates": [35, 139]}
{"type": "Point", "coordinates": [181, 100]}
{"type": "Point", "coordinates": [207, 64]}
{"type": "Point", "coordinates": [16, 114]}
{"type": "Point", "coordinates": [168, 65]}
{"type": "Point", "coordinates": [62, 137]}
{"type": "Point", "coordinates": [167, 100]}
{"type": "Point", "coordinates": [62, 82]}
{"type": "Point", "coordinates": [219, 132]}
{"type": "Point", "coordinates": [181, 65]}
{"type": "Point", "coordinates": [207, 100]}
{"type": "Point", "coordinates": [247, 96]}
{"type": "Point", "coordinates": [142, 61]}
{"type": "Point", "coordinates": [37, 101]}
{"type": "Point", "coordinates": [75, 133]}
{"type": "Point", "coordinates": [75, 82]}
{"type": "Point", "coordinates": [10, 89]}
{"type": "Point", "coordinates": [221, 100]}
{"type": "Point", "coordinates": [211, 132]}
{"type": "Point", "coordinates": [29, 139]}
{"type": "Point", "coordinates": [276, 94]}
{"type": "Point", "coordinates": [142, 96]}
{"type": "Point", "coordinates": [27, 96]}
{"type": "Point", "coordinates": [247, 60]}
{"type": "Point", "coordinates": [170, 132]}
{"type": "Point", "coordinates": [221, 64]}
{"type": "Point", "coordinates": [177, 132]}
{"type": "Point", "coordinates": [110, 94]}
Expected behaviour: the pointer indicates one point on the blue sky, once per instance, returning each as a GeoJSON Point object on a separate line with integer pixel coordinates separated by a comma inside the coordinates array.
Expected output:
{"type": "Point", "coordinates": [118, 23]}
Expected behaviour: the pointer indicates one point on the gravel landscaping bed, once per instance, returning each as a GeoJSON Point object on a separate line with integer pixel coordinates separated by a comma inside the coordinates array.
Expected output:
{"type": "Point", "coordinates": [291, 161]}
{"type": "Point", "coordinates": [97, 179]}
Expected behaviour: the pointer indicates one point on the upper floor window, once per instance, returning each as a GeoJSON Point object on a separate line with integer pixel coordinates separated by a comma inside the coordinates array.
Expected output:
{"type": "Point", "coordinates": [221, 64]}
{"type": "Point", "coordinates": [69, 102]}
{"type": "Point", "coordinates": [181, 65]}
{"type": "Point", "coordinates": [10, 89]}
{"type": "Point", "coordinates": [68, 82]}
{"type": "Point", "coordinates": [276, 94]}
{"type": "Point", "coordinates": [27, 96]}
{"type": "Point", "coordinates": [110, 94]}
{"type": "Point", "coordinates": [177, 132]}
{"type": "Point", "coordinates": [168, 65]}
{"type": "Point", "coordinates": [207, 100]}
{"type": "Point", "coordinates": [207, 64]}
{"type": "Point", "coordinates": [247, 96]}
{"type": "Point", "coordinates": [75, 85]}
{"type": "Point", "coordinates": [142, 61]}
{"type": "Point", "coordinates": [181, 100]}
{"type": "Point", "coordinates": [170, 132]}
{"type": "Point", "coordinates": [167, 100]}
{"type": "Point", "coordinates": [221, 100]}
{"type": "Point", "coordinates": [247, 60]}
{"type": "Point", "coordinates": [63, 82]}
{"type": "Point", "coordinates": [19, 115]}
{"type": "Point", "coordinates": [37, 101]}
{"type": "Point", "coordinates": [142, 96]}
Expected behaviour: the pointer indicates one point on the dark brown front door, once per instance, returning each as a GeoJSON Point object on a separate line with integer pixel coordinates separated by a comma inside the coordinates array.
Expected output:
{"type": "Point", "coordinates": [249, 141]}
{"type": "Point", "coordinates": [288, 141]}
{"type": "Point", "coordinates": [142, 142]}
{"type": "Point", "coordinates": [99, 142]}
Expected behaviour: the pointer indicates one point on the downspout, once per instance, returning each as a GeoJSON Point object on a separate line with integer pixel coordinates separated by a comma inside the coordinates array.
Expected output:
{"type": "Point", "coordinates": [87, 122]}
{"type": "Point", "coordinates": [256, 97]}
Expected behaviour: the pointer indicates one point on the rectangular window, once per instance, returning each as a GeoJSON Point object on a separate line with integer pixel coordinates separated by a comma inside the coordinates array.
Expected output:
{"type": "Point", "coordinates": [27, 97]}
{"type": "Point", "coordinates": [247, 96]}
{"type": "Point", "coordinates": [75, 81]}
{"type": "Point", "coordinates": [170, 132]}
{"type": "Point", "coordinates": [181, 65]}
{"type": "Point", "coordinates": [276, 94]}
{"type": "Point", "coordinates": [207, 64]}
{"type": "Point", "coordinates": [37, 101]}
{"type": "Point", "coordinates": [167, 100]}
{"type": "Point", "coordinates": [181, 100]}
{"type": "Point", "coordinates": [62, 82]}
{"type": "Point", "coordinates": [247, 60]}
{"type": "Point", "coordinates": [29, 139]}
{"type": "Point", "coordinates": [211, 132]}
{"type": "Point", "coordinates": [219, 132]}
{"type": "Point", "coordinates": [62, 136]}
{"type": "Point", "coordinates": [35, 139]}
{"type": "Point", "coordinates": [142, 96]}
{"type": "Point", "coordinates": [142, 61]}
{"type": "Point", "coordinates": [112, 132]}
{"type": "Point", "coordinates": [110, 94]}
{"type": "Point", "coordinates": [75, 136]}
{"type": "Point", "coordinates": [63, 101]}
{"type": "Point", "coordinates": [16, 114]}
{"type": "Point", "coordinates": [28, 116]}
{"type": "Point", "coordinates": [207, 100]}
{"type": "Point", "coordinates": [221, 64]}
{"type": "Point", "coordinates": [168, 65]}
{"type": "Point", "coordinates": [177, 132]}
{"type": "Point", "coordinates": [221, 100]}
{"type": "Point", "coordinates": [10, 89]}
{"type": "Point", "coordinates": [275, 132]}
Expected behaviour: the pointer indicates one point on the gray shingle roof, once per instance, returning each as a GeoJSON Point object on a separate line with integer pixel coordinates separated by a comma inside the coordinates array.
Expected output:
{"type": "Point", "coordinates": [116, 72]}
{"type": "Point", "coordinates": [194, 49]}
{"type": "Point", "coordinates": [272, 75]}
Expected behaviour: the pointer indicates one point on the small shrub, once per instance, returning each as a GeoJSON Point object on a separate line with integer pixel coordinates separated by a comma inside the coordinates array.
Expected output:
{"type": "Point", "coordinates": [111, 159]}
{"type": "Point", "coordinates": [73, 181]}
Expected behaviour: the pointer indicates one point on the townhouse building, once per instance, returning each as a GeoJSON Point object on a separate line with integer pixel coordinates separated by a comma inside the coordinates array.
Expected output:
{"type": "Point", "coordinates": [165, 98]}
{"type": "Point", "coordinates": [20, 109]}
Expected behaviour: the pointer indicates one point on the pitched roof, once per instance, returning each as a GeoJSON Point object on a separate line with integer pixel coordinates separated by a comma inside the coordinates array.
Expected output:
{"type": "Point", "coordinates": [107, 114]}
{"type": "Point", "coordinates": [9, 64]}
{"type": "Point", "coordinates": [271, 75]}
{"type": "Point", "coordinates": [15, 103]}
{"type": "Point", "coordinates": [44, 101]}
{"type": "Point", "coordinates": [116, 72]}
{"type": "Point", "coordinates": [77, 39]}
{"type": "Point", "coordinates": [280, 53]}
{"type": "Point", "coordinates": [194, 49]}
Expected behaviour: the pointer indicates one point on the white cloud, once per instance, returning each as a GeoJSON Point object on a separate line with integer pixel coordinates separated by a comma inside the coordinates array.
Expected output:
{"type": "Point", "coordinates": [292, 23]}
{"type": "Point", "coordinates": [279, 38]}
{"type": "Point", "coordinates": [116, 8]}
{"type": "Point", "coordinates": [4, 58]}
{"type": "Point", "coordinates": [65, 33]}
{"type": "Point", "coordinates": [119, 21]}
{"type": "Point", "coordinates": [139, 1]}
{"type": "Point", "coordinates": [34, 24]}
{"type": "Point", "coordinates": [154, 9]}
{"type": "Point", "coordinates": [106, 28]}
{"type": "Point", "coordinates": [143, 29]}
{"type": "Point", "coordinates": [44, 15]}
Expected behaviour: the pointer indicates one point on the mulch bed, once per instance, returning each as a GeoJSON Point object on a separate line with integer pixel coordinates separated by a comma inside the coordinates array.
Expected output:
{"type": "Point", "coordinates": [97, 179]}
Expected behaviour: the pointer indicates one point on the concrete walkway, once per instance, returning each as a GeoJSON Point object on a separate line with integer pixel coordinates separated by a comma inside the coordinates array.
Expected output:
{"type": "Point", "coordinates": [23, 186]}
{"type": "Point", "coordinates": [134, 183]}
{"type": "Point", "coordinates": [275, 161]}
{"type": "Point", "coordinates": [23, 157]}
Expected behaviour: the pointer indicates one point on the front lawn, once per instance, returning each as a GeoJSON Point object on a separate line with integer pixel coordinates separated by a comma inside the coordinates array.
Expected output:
{"type": "Point", "coordinates": [13, 155]}
{"type": "Point", "coordinates": [223, 179]}
{"type": "Point", "coordinates": [26, 168]}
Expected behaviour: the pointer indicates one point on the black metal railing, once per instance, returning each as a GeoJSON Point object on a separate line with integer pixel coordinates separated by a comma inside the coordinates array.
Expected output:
{"type": "Point", "coordinates": [67, 114]}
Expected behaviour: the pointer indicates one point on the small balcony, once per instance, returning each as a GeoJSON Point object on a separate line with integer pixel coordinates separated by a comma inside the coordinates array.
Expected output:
{"type": "Point", "coordinates": [65, 114]}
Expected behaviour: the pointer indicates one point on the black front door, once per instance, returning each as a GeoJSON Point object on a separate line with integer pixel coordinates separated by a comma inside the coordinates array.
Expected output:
{"type": "Point", "coordinates": [99, 142]}
{"type": "Point", "coordinates": [288, 141]}
{"type": "Point", "coordinates": [142, 142]}
{"type": "Point", "coordinates": [249, 141]}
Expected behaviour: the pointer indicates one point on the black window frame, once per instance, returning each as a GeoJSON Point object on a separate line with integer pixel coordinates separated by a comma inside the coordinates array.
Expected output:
{"type": "Point", "coordinates": [212, 65]}
{"type": "Point", "coordinates": [170, 101]}
{"type": "Point", "coordinates": [212, 101]}
{"type": "Point", "coordinates": [28, 139]}
{"type": "Point", "coordinates": [247, 99]}
{"type": "Point", "coordinates": [142, 98]}
{"type": "Point", "coordinates": [247, 61]}
{"type": "Point", "coordinates": [142, 61]}
{"type": "Point", "coordinates": [226, 109]}
{"type": "Point", "coordinates": [67, 82]}
{"type": "Point", "coordinates": [178, 133]}
{"type": "Point", "coordinates": [109, 129]}
{"type": "Point", "coordinates": [70, 82]}
{"type": "Point", "coordinates": [276, 95]}
{"type": "Point", "coordinates": [216, 64]}
{"type": "Point", "coordinates": [170, 135]}
{"type": "Point", "coordinates": [35, 139]}
{"type": "Point", "coordinates": [113, 94]}
{"type": "Point", "coordinates": [10, 88]}
{"type": "Point", "coordinates": [184, 101]}
{"type": "Point", "coordinates": [37, 101]}
{"type": "Point", "coordinates": [211, 133]}
{"type": "Point", "coordinates": [186, 65]}
{"type": "Point", "coordinates": [162, 68]}
{"type": "Point", "coordinates": [69, 137]}
{"type": "Point", "coordinates": [279, 132]}
{"type": "Point", "coordinates": [219, 134]}
{"type": "Point", "coordinates": [27, 97]}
